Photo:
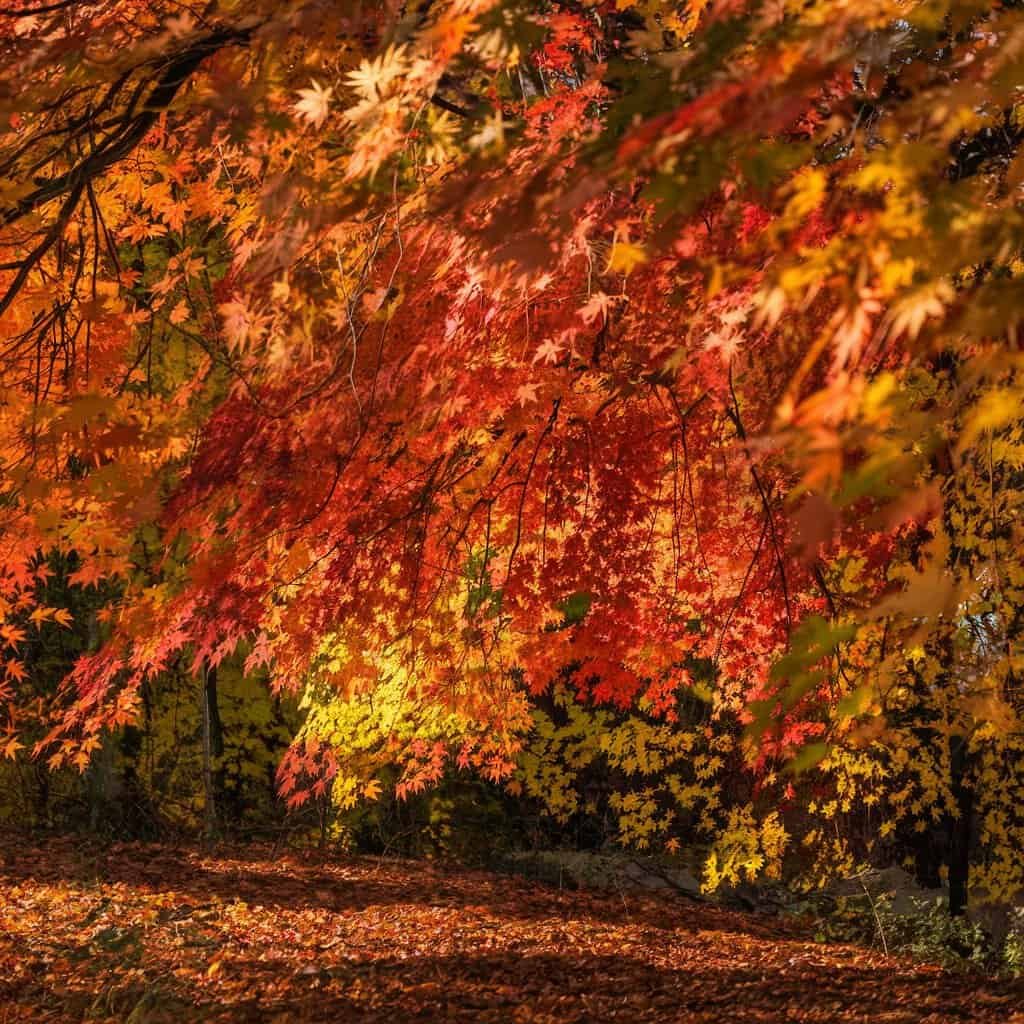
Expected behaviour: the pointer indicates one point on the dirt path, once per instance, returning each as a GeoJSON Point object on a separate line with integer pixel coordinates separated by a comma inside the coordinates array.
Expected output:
{"type": "Point", "coordinates": [150, 934]}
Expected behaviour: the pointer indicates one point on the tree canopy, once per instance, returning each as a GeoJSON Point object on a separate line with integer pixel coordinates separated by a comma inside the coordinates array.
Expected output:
{"type": "Point", "coordinates": [528, 385]}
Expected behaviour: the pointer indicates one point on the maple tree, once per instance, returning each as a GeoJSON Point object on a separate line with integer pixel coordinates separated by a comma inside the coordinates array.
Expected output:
{"type": "Point", "coordinates": [545, 384]}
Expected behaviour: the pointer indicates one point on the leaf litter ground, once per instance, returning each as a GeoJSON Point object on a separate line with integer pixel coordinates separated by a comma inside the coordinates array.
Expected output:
{"type": "Point", "coordinates": [146, 934]}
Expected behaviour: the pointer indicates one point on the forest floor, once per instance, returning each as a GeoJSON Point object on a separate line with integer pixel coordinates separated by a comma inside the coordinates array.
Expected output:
{"type": "Point", "coordinates": [146, 934]}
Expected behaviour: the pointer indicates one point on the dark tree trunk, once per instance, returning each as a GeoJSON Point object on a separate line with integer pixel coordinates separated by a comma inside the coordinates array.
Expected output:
{"type": "Point", "coordinates": [960, 827]}
{"type": "Point", "coordinates": [927, 848]}
{"type": "Point", "coordinates": [213, 746]}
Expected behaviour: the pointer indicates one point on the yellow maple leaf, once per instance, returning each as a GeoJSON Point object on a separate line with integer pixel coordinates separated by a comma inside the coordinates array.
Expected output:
{"type": "Point", "coordinates": [625, 256]}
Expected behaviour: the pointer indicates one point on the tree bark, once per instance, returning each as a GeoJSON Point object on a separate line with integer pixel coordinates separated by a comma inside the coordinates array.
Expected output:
{"type": "Point", "coordinates": [213, 746]}
{"type": "Point", "coordinates": [960, 827]}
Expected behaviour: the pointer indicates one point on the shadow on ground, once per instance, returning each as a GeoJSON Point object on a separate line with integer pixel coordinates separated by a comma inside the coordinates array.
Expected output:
{"type": "Point", "coordinates": [149, 935]}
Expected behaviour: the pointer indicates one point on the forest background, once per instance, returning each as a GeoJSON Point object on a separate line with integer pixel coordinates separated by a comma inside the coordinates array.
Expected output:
{"type": "Point", "coordinates": [438, 427]}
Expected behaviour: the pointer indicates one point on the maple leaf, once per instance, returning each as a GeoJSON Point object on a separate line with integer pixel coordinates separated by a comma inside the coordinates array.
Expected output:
{"type": "Point", "coordinates": [625, 257]}
{"type": "Point", "coordinates": [238, 322]}
{"type": "Point", "coordinates": [12, 635]}
{"type": "Point", "coordinates": [314, 103]}
{"type": "Point", "coordinates": [526, 394]}
{"type": "Point", "coordinates": [40, 615]}
{"type": "Point", "coordinates": [549, 351]}
{"type": "Point", "coordinates": [596, 307]}
{"type": "Point", "coordinates": [180, 313]}
{"type": "Point", "coordinates": [726, 344]}
{"type": "Point", "coordinates": [373, 78]}
{"type": "Point", "coordinates": [909, 316]}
